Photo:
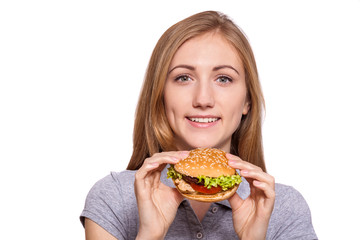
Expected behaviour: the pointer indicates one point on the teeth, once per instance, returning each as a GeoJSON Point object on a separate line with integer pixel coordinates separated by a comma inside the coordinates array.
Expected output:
{"type": "Point", "coordinates": [204, 120]}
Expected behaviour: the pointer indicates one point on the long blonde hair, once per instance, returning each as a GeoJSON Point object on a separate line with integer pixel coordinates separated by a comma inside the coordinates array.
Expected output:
{"type": "Point", "coordinates": [152, 132]}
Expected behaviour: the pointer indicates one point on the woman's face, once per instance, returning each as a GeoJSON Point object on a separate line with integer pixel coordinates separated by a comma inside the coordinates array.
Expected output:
{"type": "Point", "coordinates": [205, 93]}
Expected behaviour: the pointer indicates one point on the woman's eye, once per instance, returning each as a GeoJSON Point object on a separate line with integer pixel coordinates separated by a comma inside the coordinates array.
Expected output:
{"type": "Point", "coordinates": [182, 78]}
{"type": "Point", "coordinates": [224, 79]}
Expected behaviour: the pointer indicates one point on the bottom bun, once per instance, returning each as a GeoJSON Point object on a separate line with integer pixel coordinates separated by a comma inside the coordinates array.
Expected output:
{"type": "Point", "coordinates": [217, 197]}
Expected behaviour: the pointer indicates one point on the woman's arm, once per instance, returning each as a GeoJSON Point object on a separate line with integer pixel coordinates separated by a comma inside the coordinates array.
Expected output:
{"type": "Point", "coordinates": [94, 232]}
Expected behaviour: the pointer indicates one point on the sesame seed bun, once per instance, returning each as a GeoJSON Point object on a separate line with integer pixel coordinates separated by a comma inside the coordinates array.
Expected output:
{"type": "Point", "coordinates": [209, 162]}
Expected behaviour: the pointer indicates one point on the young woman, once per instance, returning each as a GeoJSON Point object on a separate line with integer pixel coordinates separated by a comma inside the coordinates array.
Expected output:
{"type": "Point", "coordinates": [201, 90]}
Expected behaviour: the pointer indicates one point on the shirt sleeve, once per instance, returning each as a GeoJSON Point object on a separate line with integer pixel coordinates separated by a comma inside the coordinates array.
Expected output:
{"type": "Point", "coordinates": [102, 205]}
{"type": "Point", "coordinates": [291, 217]}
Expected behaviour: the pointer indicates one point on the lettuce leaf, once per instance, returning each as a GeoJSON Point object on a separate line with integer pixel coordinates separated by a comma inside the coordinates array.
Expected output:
{"type": "Point", "coordinates": [225, 182]}
{"type": "Point", "coordinates": [172, 173]}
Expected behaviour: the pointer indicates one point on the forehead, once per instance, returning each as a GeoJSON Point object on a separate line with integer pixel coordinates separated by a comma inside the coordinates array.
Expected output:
{"type": "Point", "coordinates": [207, 49]}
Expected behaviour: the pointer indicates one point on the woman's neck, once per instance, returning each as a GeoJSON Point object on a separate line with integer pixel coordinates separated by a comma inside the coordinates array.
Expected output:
{"type": "Point", "coordinates": [200, 208]}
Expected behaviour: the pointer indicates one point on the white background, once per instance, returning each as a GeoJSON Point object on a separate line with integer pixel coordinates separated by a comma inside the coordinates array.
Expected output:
{"type": "Point", "coordinates": [71, 72]}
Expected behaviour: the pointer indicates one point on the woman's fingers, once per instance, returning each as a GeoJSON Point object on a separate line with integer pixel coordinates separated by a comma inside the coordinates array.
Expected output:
{"type": "Point", "coordinates": [157, 203]}
{"type": "Point", "coordinates": [258, 178]}
{"type": "Point", "coordinates": [267, 188]}
{"type": "Point", "coordinates": [249, 170]}
{"type": "Point", "coordinates": [238, 163]}
{"type": "Point", "coordinates": [147, 178]}
{"type": "Point", "coordinates": [158, 159]}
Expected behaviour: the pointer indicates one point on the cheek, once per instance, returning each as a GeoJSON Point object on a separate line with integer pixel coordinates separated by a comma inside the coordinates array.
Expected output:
{"type": "Point", "coordinates": [174, 110]}
{"type": "Point", "coordinates": [235, 106]}
{"type": "Point", "coordinates": [168, 109]}
{"type": "Point", "coordinates": [173, 105]}
{"type": "Point", "coordinates": [235, 117]}
{"type": "Point", "coordinates": [177, 99]}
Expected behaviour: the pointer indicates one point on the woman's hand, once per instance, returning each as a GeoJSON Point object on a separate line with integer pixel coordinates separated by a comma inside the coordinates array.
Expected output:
{"type": "Point", "coordinates": [157, 203]}
{"type": "Point", "coordinates": [251, 216]}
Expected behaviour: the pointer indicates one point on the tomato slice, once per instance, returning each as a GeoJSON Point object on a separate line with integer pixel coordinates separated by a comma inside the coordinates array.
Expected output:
{"type": "Point", "coordinates": [205, 190]}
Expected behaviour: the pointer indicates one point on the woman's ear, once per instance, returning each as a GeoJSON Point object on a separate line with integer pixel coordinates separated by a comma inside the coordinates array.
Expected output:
{"type": "Point", "coordinates": [246, 108]}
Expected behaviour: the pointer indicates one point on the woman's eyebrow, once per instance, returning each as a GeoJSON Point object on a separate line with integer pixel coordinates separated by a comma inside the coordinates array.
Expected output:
{"type": "Point", "coordinates": [214, 69]}
{"type": "Point", "coordinates": [183, 66]}
{"type": "Point", "coordinates": [225, 66]}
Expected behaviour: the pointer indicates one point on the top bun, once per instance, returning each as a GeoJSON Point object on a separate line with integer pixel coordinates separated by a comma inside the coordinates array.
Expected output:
{"type": "Point", "coordinates": [208, 162]}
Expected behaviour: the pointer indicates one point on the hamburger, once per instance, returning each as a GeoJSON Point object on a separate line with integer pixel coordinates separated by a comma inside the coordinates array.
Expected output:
{"type": "Point", "coordinates": [205, 176]}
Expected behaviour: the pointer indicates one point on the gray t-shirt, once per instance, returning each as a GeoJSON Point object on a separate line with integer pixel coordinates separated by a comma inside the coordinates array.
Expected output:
{"type": "Point", "coordinates": [111, 203]}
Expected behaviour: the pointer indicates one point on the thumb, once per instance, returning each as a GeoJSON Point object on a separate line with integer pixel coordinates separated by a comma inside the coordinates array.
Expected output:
{"type": "Point", "coordinates": [174, 194]}
{"type": "Point", "coordinates": [235, 201]}
{"type": "Point", "coordinates": [177, 196]}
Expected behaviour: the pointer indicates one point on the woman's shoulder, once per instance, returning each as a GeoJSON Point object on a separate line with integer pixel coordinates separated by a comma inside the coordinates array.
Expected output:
{"type": "Point", "coordinates": [291, 217]}
{"type": "Point", "coordinates": [120, 182]}
{"type": "Point", "coordinates": [110, 202]}
{"type": "Point", "coordinates": [286, 195]}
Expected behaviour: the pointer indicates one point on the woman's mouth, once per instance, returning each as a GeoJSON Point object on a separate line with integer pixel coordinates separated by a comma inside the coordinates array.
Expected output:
{"type": "Point", "coordinates": [203, 122]}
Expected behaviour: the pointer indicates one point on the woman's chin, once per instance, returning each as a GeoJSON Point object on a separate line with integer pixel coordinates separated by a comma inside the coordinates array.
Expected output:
{"type": "Point", "coordinates": [205, 143]}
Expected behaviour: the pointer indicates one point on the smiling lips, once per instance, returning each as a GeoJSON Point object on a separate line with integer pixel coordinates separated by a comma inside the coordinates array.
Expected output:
{"type": "Point", "coordinates": [203, 122]}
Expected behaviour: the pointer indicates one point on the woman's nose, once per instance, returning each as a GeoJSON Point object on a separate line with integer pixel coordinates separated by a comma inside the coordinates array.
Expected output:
{"type": "Point", "coordinates": [203, 96]}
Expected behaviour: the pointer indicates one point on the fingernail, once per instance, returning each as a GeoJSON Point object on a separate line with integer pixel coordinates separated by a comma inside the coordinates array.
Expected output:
{"type": "Point", "coordinates": [244, 172]}
{"type": "Point", "coordinates": [184, 154]}
{"type": "Point", "coordinates": [175, 159]}
{"type": "Point", "coordinates": [229, 155]}
{"type": "Point", "coordinates": [231, 162]}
